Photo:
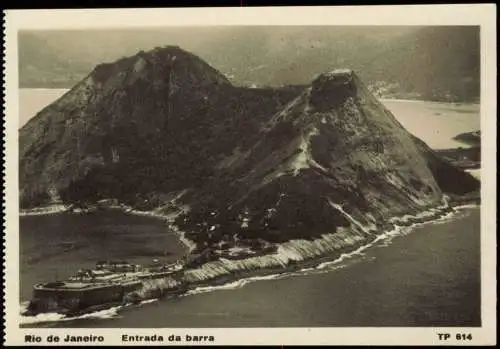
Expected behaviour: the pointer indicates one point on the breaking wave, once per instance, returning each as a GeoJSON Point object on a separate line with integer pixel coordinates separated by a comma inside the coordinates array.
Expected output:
{"type": "Point", "coordinates": [55, 317]}
{"type": "Point", "coordinates": [39, 211]}
{"type": "Point", "coordinates": [106, 314]}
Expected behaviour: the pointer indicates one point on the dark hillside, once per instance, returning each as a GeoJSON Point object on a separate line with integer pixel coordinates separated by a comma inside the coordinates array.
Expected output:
{"type": "Point", "coordinates": [164, 131]}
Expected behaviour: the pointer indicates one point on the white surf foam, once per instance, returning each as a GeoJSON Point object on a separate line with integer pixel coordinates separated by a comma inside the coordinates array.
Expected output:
{"type": "Point", "coordinates": [41, 211]}
{"type": "Point", "coordinates": [41, 318]}
{"type": "Point", "coordinates": [235, 284]}
{"type": "Point", "coordinates": [110, 313]}
{"type": "Point", "coordinates": [55, 317]}
{"type": "Point", "coordinates": [147, 301]}
{"type": "Point", "coordinates": [323, 267]}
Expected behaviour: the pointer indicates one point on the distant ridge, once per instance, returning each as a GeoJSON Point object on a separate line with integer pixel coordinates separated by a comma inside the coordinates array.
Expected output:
{"type": "Point", "coordinates": [429, 63]}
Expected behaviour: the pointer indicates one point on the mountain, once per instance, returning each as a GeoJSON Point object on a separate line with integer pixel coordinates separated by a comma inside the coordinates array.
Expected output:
{"type": "Point", "coordinates": [162, 130]}
{"type": "Point", "coordinates": [434, 63]}
{"type": "Point", "coordinates": [441, 63]}
{"type": "Point", "coordinates": [49, 69]}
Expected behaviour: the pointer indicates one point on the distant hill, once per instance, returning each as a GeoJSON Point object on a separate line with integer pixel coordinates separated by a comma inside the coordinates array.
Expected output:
{"type": "Point", "coordinates": [433, 63]}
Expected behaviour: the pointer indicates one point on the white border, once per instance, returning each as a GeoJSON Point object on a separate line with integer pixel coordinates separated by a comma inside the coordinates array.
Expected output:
{"type": "Point", "coordinates": [483, 15]}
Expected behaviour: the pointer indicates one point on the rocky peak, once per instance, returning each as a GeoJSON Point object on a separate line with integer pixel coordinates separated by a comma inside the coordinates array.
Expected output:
{"type": "Point", "coordinates": [160, 63]}
{"type": "Point", "coordinates": [331, 89]}
{"type": "Point", "coordinates": [337, 76]}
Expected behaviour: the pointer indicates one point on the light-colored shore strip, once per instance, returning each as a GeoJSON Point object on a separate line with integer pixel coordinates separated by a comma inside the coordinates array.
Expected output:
{"type": "Point", "coordinates": [46, 210]}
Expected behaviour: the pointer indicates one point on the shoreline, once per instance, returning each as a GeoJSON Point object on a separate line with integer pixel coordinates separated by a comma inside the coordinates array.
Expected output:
{"type": "Point", "coordinates": [44, 210]}
{"type": "Point", "coordinates": [245, 269]}
{"type": "Point", "coordinates": [427, 101]}
{"type": "Point", "coordinates": [241, 277]}
{"type": "Point", "coordinates": [232, 270]}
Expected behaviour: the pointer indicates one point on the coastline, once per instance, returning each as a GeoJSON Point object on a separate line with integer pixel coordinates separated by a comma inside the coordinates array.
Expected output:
{"type": "Point", "coordinates": [223, 272]}
{"type": "Point", "coordinates": [241, 274]}
{"type": "Point", "coordinates": [475, 172]}
{"type": "Point", "coordinates": [427, 101]}
{"type": "Point", "coordinates": [292, 257]}
{"type": "Point", "coordinates": [44, 210]}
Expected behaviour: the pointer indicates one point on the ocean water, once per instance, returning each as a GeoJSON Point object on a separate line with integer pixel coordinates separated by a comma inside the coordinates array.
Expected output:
{"type": "Point", "coordinates": [436, 123]}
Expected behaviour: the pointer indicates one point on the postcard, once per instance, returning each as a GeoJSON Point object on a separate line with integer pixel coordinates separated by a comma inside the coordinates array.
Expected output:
{"type": "Point", "coordinates": [292, 175]}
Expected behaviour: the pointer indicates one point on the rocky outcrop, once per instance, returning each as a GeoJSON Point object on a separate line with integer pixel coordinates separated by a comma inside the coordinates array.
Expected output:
{"type": "Point", "coordinates": [240, 169]}
{"type": "Point", "coordinates": [331, 156]}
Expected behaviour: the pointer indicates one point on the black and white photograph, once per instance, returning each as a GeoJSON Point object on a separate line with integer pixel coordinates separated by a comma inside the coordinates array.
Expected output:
{"type": "Point", "coordinates": [249, 176]}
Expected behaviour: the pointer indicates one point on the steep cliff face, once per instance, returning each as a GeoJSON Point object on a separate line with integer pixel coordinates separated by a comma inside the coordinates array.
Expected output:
{"type": "Point", "coordinates": [239, 167]}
